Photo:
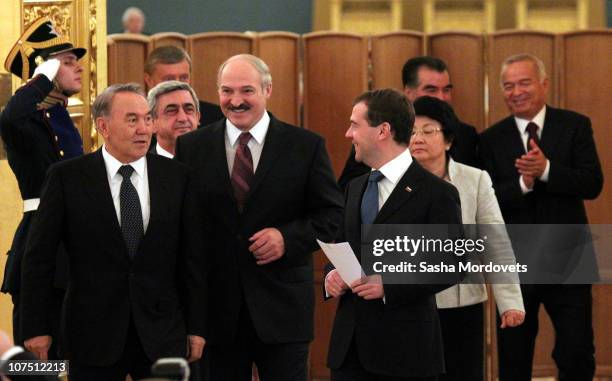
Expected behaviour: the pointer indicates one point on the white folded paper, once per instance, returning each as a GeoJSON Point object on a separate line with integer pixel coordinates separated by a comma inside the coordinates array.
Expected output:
{"type": "Point", "coordinates": [344, 260]}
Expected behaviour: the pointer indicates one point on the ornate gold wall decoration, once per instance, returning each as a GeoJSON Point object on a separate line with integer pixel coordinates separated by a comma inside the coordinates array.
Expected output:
{"type": "Point", "coordinates": [60, 14]}
{"type": "Point", "coordinates": [93, 68]}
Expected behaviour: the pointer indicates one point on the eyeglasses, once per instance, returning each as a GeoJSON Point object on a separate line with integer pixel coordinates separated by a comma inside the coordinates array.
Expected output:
{"type": "Point", "coordinates": [426, 131]}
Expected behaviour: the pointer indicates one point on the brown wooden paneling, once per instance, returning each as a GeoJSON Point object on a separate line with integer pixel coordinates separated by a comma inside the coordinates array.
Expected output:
{"type": "Point", "coordinates": [335, 72]}
{"type": "Point", "coordinates": [501, 45]}
{"type": "Point", "coordinates": [463, 53]}
{"type": "Point", "coordinates": [168, 38]}
{"type": "Point", "coordinates": [281, 51]}
{"type": "Point", "coordinates": [208, 51]}
{"type": "Point", "coordinates": [126, 57]}
{"type": "Point", "coordinates": [389, 52]}
{"type": "Point", "coordinates": [587, 89]}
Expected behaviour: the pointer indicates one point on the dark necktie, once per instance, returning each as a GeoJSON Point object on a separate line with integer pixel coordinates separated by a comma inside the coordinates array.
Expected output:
{"type": "Point", "coordinates": [131, 213]}
{"type": "Point", "coordinates": [242, 172]}
{"type": "Point", "coordinates": [369, 202]}
{"type": "Point", "coordinates": [532, 130]}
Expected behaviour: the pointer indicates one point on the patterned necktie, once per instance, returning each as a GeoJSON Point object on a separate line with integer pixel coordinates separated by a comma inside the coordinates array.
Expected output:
{"type": "Point", "coordinates": [369, 202]}
{"type": "Point", "coordinates": [242, 172]}
{"type": "Point", "coordinates": [532, 130]}
{"type": "Point", "coordinates": [131, 213]}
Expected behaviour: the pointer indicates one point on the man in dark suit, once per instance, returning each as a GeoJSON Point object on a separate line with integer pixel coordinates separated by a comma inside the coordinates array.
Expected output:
{"type": "Point", "coordinates": [269, 192]}
{"type": "Point", "coordinates": [175, 111]}
{"type": "Point", "coordinates": [425, 76]}
{"type": "Point", "coordinates": [37, 131]}
{"type": "Point", "coordinates": [543, 164]}
{"type": "Point", "coordinates": [135, 287]}
{"type": "Point", "coordinates": [171, 63]}
{"type": "Point", "coordinates": [383, 330]}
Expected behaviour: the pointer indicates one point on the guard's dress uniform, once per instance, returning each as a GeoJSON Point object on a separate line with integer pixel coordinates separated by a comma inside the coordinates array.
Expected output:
{"type": "Point", "coordinates": [37, 131]}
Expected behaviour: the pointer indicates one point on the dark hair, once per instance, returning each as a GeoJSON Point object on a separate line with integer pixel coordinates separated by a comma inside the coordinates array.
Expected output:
{"type": "Point", "coordinates": [441, 112]}
{"type": "Point", "coordinates": [411, 68]}
{"type": "Point", "coordinates": [166, 55]}
{"type": "Point", "coordinates": [391, 106]}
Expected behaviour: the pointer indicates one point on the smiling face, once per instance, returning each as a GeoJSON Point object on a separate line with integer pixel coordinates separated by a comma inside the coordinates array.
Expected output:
{"type": "Point", "coordinates": [176, 114]}
{"type": "Point", "coordinates": [127, 130]}
{"type": "Point", "coordinates": [68, 76]}
{"type": "Point", "coordinates": [241, 94]}
{"type": "Point", "coordinates": [427, 144]}
{"type": "Point", "coordinates": [363, 136]}
{"type": "Point", "coordinates": [524, 91]}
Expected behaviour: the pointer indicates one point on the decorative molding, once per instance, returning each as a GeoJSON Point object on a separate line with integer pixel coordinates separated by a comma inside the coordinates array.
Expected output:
{"type": "Point", "coordinates": [93, 68]}
{"type": "Point", "coordinates": [60, 14]}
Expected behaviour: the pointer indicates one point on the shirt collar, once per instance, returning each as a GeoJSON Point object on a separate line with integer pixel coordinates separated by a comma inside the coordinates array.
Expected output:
{"type": "Point", "coordinates": [162, 152]}
{"type": "Point", "coordinates": [258, 131]}
{"type": "Point", "coordinates": [395, 169]}
{"type": "Point", "coordinates": [538, 119]}
{"type": "Point", "coordinates": [113, 165]}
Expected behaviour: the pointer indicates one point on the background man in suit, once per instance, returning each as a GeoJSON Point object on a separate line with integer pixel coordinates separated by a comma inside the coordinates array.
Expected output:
{"type": "Point", "coordinates": [422, 76]}
{"type": "Point", "coordinates": [175, 110]}
{"type": "Point", "coordinates": [269, 192]}
{"type": "Point", "coordinates": [171, 63]}
{"type": "Point", "coordinates": [37, 131]}
{"type": "Point", "coordinates": [385, 331]}
{"type": "Point", "coordinates": [543, 164]}
{"type": "Point", "coordinates": [135, 293]}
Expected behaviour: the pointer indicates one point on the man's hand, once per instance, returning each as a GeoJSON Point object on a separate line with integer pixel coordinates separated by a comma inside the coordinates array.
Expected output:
{"type": "Point", "coordinates": [49, 68]}
{"type": "Point", "coordinates": [39, 345]}
{"type": "Point", "coordinates": [512, 318]}
{"type": "Point", "coordinates": [334, 285]}
{"type": "Point", "coordinates": [369, 288]}
{"type": "Point", "coordinates": [528, 181]}
{"type": "Point", "coordinates": [195, 347]}
{"type": "Point", "coordinates": [267, 245]}
{"type": "Point", "coordinates": [533, 163]}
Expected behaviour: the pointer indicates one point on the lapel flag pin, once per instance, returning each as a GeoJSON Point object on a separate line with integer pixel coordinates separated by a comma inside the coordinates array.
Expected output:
{"type": "Point", "coordinates": [408, 189]}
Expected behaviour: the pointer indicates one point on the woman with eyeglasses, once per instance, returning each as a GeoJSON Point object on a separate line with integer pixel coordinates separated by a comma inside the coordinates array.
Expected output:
{"type": "Point", "coordinates": [461, 307]}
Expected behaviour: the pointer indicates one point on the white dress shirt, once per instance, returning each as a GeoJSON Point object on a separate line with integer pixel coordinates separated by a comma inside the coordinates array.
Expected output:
{"type": "Point", "coordinates": [162, 152]}
{"type": "Point", "coordinates": [393, 172]}
{"type": "Point", "coordinates": [139, 179]}
{"type": "Point", "coordinates": [522, 128]}
{"type": "Point", "coordinates": [258, 133]}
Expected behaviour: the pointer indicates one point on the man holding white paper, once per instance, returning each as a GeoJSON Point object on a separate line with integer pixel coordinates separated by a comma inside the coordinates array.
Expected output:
{"type": "Point", "coordinates": [387, 331]}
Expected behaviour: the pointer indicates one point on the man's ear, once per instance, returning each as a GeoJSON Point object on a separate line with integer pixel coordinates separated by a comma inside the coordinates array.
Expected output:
{"type": "Point", "coordinates": [385, 130]}
{"type": "Point", "coordinates": [148, 81]}
{"type": "Point", "coordinates": [102, 126]}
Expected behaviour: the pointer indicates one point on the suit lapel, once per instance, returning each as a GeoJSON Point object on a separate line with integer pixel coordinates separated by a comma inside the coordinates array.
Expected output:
{"type": "Point", "coordinates": [272, 148]}
{"type": "Point", "coordinates": [219, 156]}
{"type": "Point", "coordinates": [403, 191]}
{"type": "Point", "coordinates": [96, 185]}
{"type": "Point", "coordinates": [550, 132]}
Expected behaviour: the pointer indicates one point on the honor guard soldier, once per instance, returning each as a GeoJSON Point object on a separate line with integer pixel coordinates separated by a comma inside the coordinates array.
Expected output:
{"type": "Point", "coordinates": [37, 131]}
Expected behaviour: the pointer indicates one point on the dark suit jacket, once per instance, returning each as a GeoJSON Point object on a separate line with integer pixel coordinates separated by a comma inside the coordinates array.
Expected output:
{"type": "Point", "coordinates": [294, 191]}
{"type": "Point", "coordinates": [464, 150]}
{"type": "Point", "coordinates": [161, 289]}
{"type": "Point", "coordinates": [400, 337]}
{"type": "Point", "coordinates": [209, 113]}
{"type": "Point", "coordinates": [575, 174]}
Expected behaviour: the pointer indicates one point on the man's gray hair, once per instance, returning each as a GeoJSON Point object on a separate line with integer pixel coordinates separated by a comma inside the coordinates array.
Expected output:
{"type": "Point", "coordinates": [102, 105]}
{"type": "Point", "coordinates": [522, 57]}
{"type": "Point", "coordinates": [259, 65]}
{"type": "Point", "coordinates": [132, 11]}
{"type": "Point", "coordinates": [169, 87]}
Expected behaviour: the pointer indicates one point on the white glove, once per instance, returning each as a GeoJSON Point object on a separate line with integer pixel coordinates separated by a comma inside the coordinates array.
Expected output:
{"type": "Point", "coordinates": [49, 68]}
